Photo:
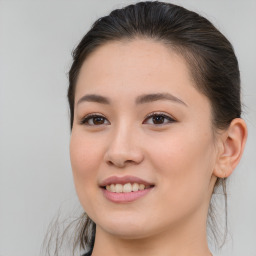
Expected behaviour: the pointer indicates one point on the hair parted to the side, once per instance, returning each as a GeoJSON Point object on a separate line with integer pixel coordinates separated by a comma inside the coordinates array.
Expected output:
{"type": "Point", "coordinates": [209, 55]}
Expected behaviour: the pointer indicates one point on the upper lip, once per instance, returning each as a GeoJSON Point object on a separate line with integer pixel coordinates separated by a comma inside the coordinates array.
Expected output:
{"type": "Point", "coordinates": [123, 180]}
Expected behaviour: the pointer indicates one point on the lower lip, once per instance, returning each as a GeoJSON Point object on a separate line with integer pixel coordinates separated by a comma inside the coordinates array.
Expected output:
{"type": "Point", "coordinates": [125, 197]}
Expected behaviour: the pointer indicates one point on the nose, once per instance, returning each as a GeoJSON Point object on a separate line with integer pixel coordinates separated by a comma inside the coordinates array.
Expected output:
{"type": "Point", "coordinates": [123, 149]}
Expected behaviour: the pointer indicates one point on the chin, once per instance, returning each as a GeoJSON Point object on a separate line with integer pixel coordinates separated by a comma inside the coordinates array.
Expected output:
{"type": "Point", "coordinates": [128, 234]}
{"type": "Point", "coordinates": [125, 229]}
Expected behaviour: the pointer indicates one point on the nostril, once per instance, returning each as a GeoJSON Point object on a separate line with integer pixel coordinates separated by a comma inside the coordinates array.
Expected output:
{"type": "Point", "coordinates": [109, 162]}
{"type": "Point", "coordinates": [121, 158]}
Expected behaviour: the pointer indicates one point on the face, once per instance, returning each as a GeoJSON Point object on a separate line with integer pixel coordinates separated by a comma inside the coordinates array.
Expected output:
{"type": "Point", "coordinates": [164, 139]}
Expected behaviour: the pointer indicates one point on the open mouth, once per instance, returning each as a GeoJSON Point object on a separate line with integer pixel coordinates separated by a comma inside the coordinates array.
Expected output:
{"type": "Point", "coordinates": [118, 193]}
{"type": "Point", "coordinates": [126, 188]}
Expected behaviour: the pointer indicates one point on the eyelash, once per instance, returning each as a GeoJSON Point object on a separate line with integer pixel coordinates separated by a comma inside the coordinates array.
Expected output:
{"type": "Point", "coordinates": [154, 114]}
{"type": "Point", "coordinates": [88, 117]}
{"type": "Point", "coordinates": [85, 120]}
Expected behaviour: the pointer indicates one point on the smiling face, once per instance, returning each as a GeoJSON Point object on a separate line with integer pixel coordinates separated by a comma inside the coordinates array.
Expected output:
{"type": "Point", "coordinates": [173, 149]}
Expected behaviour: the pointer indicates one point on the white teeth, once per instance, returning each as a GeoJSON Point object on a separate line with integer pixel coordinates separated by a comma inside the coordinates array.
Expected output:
{"type": "Point", "coordinates": [119, 188]}
{"type": "Point", "coordinates": [112, 188]}
{"type": "Point", "coordinates": [135, 187]}
{"type": "Point", "coordinates": [126, 188]}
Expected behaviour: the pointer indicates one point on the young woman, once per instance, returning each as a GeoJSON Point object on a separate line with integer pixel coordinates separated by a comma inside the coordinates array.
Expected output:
{"type": "Point", "coordinates": [156, 126]}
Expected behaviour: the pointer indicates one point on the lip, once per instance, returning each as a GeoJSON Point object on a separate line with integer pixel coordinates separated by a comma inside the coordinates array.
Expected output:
{"type": "Point", "coordinates": [125, 197]}
{"type": "Point", "coordinates": [123, 180]}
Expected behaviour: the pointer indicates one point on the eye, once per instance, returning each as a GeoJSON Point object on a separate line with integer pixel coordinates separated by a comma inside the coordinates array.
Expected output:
{"type": "Point", "coordinates": [160, 119]}
{"type": "Point", "coordinates": [94, 120]}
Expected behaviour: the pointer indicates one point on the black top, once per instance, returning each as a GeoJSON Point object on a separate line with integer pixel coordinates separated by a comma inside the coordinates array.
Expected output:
{"type": "Point", "coordinates": [88, 253]}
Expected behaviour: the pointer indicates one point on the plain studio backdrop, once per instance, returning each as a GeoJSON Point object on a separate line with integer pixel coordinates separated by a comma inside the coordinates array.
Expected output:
{"type": "Point", "coordinates": [36, 40]}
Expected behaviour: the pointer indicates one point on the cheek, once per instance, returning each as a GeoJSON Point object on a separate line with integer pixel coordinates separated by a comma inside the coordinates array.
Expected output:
{"type": "Point", "coordinates": [85, 158]}
{"type": "Point", "coordinates": [185, 163]}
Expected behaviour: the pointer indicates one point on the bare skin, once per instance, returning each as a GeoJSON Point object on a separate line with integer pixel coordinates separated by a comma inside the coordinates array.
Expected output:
{"type": "Point", "coordinates": [181, 156]}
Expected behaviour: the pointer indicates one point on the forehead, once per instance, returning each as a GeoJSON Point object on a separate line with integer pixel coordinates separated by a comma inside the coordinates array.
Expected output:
{"type": "Point", "coordinates": [124, 57]}
{"type": "Point", "coordinates": [135, 67]}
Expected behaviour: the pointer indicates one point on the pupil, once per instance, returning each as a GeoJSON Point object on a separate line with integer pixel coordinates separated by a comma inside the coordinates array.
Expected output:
{"type": "Point", "coordinates": [98, 120]}
{"type": "Point", "coordinates": [158, 119]}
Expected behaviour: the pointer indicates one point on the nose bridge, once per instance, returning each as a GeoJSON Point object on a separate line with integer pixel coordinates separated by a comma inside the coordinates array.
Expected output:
{"type": "Point", "coordinates": [123, 145]}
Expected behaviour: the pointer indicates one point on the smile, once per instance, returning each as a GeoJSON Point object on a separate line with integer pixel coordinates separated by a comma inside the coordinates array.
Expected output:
{"type": "Point", "coordinates": [125, 197]}
{"type": "Point", "coordinates": [126, 188]}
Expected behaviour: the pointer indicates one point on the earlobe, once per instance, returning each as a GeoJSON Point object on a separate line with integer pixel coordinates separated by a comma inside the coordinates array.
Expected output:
{"type": "Point", "coordinates": [233, 142]}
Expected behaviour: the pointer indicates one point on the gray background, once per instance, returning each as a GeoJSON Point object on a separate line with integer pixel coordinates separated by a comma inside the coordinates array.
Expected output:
{"type": "Point", "coordinates": [36, 39]}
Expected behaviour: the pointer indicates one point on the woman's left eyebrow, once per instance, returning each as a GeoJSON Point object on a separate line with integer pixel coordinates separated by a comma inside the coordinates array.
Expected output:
{"type": "Point", "coordinates": [142, 99]}
{"type": "Point", "coordinates": [146, 98]}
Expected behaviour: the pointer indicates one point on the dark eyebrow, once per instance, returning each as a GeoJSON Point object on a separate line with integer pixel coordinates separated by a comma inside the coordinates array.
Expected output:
{"type": "Point", "coordinates": [94, 98]}
{"type": "Point", "coordinates": [145, 98]}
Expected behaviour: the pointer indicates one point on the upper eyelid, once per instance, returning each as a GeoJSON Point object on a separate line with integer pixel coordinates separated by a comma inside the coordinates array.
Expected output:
{"type": "Point", "coordinates": [159, 113]}
{"type": "Point", "coordinates": [148, 115]}
{"type": "Point", "coordinates": [94, 114]}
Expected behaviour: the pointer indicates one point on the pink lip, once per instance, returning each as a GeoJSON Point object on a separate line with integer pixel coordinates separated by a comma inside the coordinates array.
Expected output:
{"type": "Point", "coordinates": [123, 180]}
{"type": "Point", "coordinates": [125, 197]}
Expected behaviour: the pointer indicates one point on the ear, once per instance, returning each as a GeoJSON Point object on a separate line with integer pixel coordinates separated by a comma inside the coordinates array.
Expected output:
{"type": "Point", "coordinates": [231, 147]}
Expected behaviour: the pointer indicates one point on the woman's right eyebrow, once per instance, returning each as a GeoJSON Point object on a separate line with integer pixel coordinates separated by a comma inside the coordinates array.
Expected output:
{"type": "Point", "coordinates": [145, 98]}
{"type": "Point", "coordinates": [94, 98]}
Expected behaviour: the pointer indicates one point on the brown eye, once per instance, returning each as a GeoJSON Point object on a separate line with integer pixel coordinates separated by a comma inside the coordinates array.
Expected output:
{"type": "Point", "coordinates": [93, 120]}
{"type": "Point", "coordinates": [98, 120]}
{"type": "Point", "coordinates": [160, 119]}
